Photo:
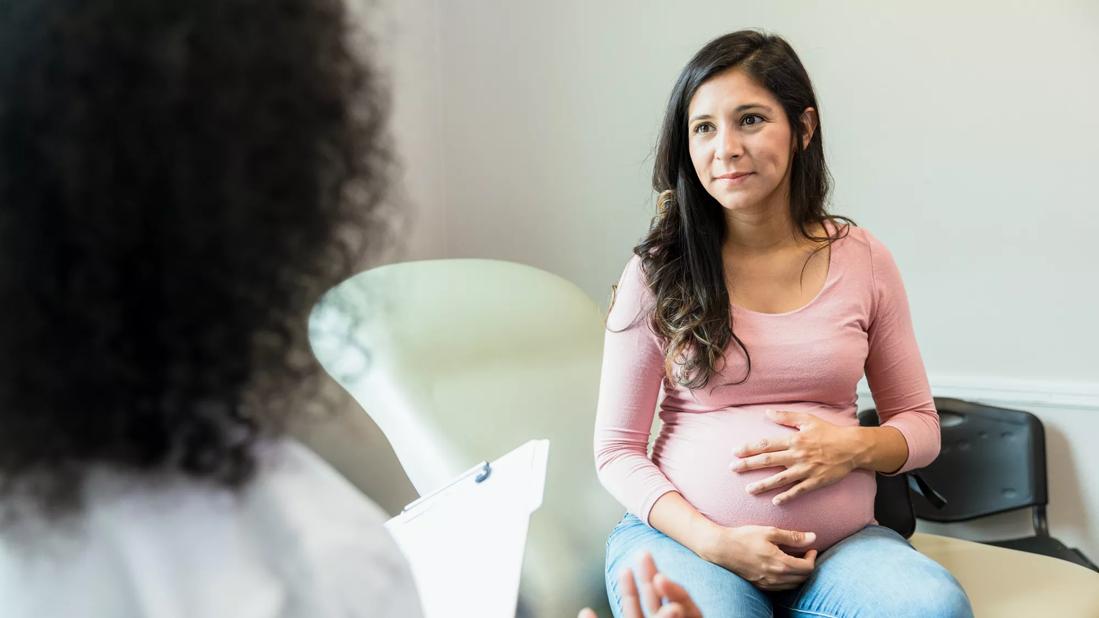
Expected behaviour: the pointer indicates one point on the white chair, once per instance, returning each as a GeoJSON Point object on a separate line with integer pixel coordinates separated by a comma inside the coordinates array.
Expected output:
{"type": "Point", "coordinates": [463, 360]}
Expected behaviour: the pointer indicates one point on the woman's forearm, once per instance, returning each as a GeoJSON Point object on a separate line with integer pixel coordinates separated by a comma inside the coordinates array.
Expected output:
{"type": "Point", "coordinates": [884, 449]}
{"type": "Point", "coordinates": [680, 520]}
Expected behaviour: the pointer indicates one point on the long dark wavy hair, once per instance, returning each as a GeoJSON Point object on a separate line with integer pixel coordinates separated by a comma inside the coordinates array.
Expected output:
{"type": "Point", "coordinates": [681, 254]}
{"type": "Point", "coordinates": [179, 182]}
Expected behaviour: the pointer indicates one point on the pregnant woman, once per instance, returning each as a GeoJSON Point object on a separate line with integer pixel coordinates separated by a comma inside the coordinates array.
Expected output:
{"type": "Point", "coordinates": [750, 314]}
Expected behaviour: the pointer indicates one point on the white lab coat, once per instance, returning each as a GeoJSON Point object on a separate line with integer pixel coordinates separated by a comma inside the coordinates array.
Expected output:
{"type": "Point", "coordinates": [298, 540]}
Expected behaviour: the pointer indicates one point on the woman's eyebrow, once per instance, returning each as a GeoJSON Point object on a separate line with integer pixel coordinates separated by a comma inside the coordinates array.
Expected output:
{"type": "Point", "coordinates": [740, 108]}
{"type": "Point", "coordinates": [747, 106]}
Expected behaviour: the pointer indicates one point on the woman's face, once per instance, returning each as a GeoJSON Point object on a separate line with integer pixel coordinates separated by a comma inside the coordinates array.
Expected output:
{"type": "Point", "coordinates": [740, 142]}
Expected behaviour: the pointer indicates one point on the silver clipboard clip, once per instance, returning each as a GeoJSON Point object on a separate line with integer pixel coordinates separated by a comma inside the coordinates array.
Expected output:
{"type": "Point", "coordinates": [480, 473]}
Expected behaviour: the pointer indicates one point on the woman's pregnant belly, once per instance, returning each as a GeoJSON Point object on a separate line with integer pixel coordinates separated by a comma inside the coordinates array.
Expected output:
{"type": "Point", "coordinates": [694, 451]}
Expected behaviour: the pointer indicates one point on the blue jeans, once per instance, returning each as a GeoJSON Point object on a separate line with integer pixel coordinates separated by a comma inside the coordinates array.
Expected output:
{"type": "Point", "coordinates": [874, 572]}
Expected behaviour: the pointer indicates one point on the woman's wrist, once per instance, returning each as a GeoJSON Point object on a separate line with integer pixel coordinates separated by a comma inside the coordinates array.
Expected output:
{"type": "Point", "coordinates": [677, 518]}
{"type": "Point", "coordinates": [880, 449]}
{"type": "Point", "coordinates": [862, 447]}
{"type": "Point", "coordinates": [707, 539]}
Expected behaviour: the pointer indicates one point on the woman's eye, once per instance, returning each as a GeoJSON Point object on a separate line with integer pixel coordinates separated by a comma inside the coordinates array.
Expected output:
{"type": "Point", "coordinates": [745, 120]}
{"type": "Point", "coordinates": [703, 127]}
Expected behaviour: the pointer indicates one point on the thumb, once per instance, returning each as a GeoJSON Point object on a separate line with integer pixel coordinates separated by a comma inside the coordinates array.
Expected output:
{"type": "Point", "coordinates": [670, 590]}
{"type": "Point", "coordinates": [792, 538]}
{"type": "Point", "coordinates": [676, 595]}
{"type": "Point", "coordinates": [672, 610]}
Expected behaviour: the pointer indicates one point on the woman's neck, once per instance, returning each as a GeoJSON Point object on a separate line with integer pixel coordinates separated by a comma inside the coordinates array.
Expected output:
{"type": "Point", "coordinates": [760, 231]}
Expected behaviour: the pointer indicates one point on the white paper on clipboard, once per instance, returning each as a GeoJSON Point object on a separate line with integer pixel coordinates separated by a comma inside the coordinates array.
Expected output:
{"type": "Point", "coordinates": [465, 541]}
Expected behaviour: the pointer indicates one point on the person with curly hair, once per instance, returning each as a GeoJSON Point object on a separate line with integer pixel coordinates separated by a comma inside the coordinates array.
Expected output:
{"type": "Point", "coordinates": [747, 316]}
{"type": "Point", "coordinates": [179, 182]}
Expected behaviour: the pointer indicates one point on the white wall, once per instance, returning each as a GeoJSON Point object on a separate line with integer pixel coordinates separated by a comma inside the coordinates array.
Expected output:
{"type": "Point", "coordinates": [407, 48]}
{"type": "Point", "coordinates": [962, 134]}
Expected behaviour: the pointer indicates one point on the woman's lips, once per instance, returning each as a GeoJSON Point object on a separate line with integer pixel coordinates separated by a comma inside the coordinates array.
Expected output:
{"type": "Point", "coordinates": [734, 179]}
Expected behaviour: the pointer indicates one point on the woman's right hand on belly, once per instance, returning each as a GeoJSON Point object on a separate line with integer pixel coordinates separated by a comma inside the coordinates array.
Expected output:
{"type": "Point", "coordinates": [753, 553]}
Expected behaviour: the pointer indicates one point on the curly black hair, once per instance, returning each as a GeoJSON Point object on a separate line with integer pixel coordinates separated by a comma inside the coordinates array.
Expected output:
{"type": "Point", "coordinates": [180, 180]}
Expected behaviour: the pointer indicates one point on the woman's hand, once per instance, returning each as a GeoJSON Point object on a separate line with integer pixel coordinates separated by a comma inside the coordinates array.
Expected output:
{"type": "Point", "coordinates": [818, 455]}
{"type": "Point", "coordinates": [655, 588]}
{"type": "Point", "coordinates": [753, 553]}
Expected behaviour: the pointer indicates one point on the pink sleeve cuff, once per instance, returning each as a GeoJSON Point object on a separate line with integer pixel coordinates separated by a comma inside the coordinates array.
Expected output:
{"type": "Point", "coordinates": [647, 506]}
{"type": "Point", "coordinates": [921, 433]}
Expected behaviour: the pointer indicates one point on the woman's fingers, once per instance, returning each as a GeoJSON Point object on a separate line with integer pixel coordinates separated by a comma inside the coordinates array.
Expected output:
{"type": "Point", "coordinates": [587, 613]}
{"type": "Point", "coordinates": [778, 458]}
{"type": "Point", "coordinates": [792, 585]}
{"type": "Point", "coordinates": [781, 582]}
{"type": "Point", "coordinates": [796, 420]}
{"type": "Point", "coordinates": [796, 566]}
{"type": "Point", "coordinates": [803, 487]}
{"type": "Point", "coordinates": [672, 610]}
{"type": "Point", "coordinates": [631, 603]}
{"type": "Point", "coordinates": [793, 474]}
{"type": "Point", "coordinates": [766, 445]}
{"type": "Point", "coordinates": [787, 580]}
{"type": "Point", "coordinates": [796, 571]}
{"type": "Point", "coordinates": [811, 556]}
{"type": "Point", "coordinates": [790, 538]}
{"type": "Point", "coordinates": [677, 596]}
{"type": "Point", "coordinates": [646, 571]}
{"type": "Point", "coordinates": [655, 588]}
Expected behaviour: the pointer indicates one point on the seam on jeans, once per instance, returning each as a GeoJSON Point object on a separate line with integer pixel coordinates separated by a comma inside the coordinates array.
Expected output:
{"type": "Point", "coordinates": [616, 599]}
{"type": "Point", "coordinates": [810, 612]}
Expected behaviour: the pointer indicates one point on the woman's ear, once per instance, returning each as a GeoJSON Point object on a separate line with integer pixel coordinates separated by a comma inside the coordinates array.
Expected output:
{"type": "Point", "coordinates": [808, 126]}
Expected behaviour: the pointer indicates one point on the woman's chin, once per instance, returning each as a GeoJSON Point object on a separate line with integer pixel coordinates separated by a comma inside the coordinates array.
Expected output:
{"type": "Point", "coordinates": [740, 203]}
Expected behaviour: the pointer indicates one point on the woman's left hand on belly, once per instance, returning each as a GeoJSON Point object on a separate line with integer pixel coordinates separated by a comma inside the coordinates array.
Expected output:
{"type": "Point", "coordinates": [817, 455]}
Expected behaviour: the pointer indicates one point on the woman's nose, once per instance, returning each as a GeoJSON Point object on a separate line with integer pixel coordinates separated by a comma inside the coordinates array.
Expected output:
{"type": "Point", "coordinates": [728, 145]}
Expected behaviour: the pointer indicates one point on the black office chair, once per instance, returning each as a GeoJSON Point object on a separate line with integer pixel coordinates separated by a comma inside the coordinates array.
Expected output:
{"type": "Point", "coordinates": [993, 460]}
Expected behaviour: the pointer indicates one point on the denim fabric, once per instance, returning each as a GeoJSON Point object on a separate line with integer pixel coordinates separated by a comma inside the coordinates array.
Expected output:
{"type": "Point", "coordinates": [874, 572]}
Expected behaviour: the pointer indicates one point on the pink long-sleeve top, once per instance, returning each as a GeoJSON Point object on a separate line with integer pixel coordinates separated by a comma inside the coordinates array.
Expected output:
{"type": "Point", "coordinates": [809, 359]}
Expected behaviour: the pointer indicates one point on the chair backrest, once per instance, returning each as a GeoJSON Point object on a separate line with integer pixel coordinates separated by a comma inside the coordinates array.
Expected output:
{"type": "Point", "coordinates": [463, 360]}
{"type": "Point", "coordinates": [992, 460]}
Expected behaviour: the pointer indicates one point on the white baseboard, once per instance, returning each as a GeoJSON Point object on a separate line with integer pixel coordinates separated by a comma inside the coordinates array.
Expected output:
{"type": "Point", "coordinates": [1008, 391]}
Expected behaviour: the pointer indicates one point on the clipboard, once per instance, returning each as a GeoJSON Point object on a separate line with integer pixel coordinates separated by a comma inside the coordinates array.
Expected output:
{"type": "Point", "coordinates": [465, 541]}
